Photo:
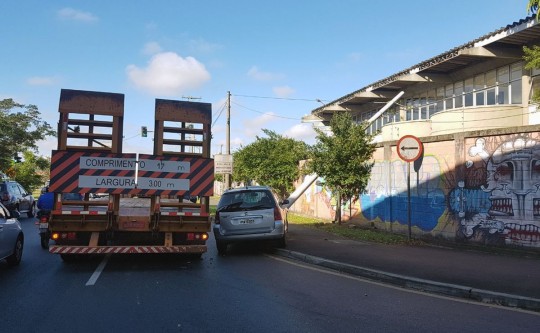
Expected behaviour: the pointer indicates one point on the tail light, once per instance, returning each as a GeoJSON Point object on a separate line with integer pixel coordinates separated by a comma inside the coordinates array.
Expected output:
{"type": "Point", "coordinates": [64, 235]}
{"type": "Point", "coordinates": [216, 218]}
{"type": "Point", "coordinates": [277, 214]}
{"type": "Point", "coordinates": [197, 236]}
{"type": "Point", "coordinates": [44, 219]}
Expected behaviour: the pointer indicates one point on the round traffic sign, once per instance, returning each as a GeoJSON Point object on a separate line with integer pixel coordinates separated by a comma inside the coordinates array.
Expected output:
{"type": "Point", "coordinates": [409, 148]}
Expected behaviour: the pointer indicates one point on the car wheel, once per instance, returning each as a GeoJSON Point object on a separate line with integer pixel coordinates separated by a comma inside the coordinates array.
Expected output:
{"type": "Point", "coordinates": [32, 211]}
{"type": "Point", "coordinates": [221, 247]}
{"type": "Point", "coordinates": [282, 242]}
{"type": "Point", "coordinates": [16, 257]}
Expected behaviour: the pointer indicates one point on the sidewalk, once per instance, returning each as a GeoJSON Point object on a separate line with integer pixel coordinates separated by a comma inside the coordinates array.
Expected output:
{"type": "Point", "coordinates": [492, 278]}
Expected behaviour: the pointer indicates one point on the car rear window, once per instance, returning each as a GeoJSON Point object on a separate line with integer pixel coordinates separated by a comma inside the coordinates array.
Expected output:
{"type": "Point", "coordinates": [246, 200]}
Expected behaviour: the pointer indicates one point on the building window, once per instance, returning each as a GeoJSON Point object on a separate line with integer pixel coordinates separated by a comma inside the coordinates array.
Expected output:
{"type": "Point", "coordinates": [458, 92]}
{"type": "Point", "coordinates": [496, 87]}
{"type": "Point", "coordinates": [479, 90]}
{"type": "Point", "coordinates": [516, 72]}
{"type": "Point", "coordinates": [440, 100]}
{"type": "Point", "coordinates": [449, 97]}
{"type": "Point", "coordinates": [503, 77]}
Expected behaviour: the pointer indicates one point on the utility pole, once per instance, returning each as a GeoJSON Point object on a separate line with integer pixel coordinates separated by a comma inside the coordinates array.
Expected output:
{"type": "Point", "coordinates": [228, 137]}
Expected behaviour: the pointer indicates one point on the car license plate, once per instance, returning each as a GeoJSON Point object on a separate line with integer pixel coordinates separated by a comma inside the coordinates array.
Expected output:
{"type": "Point", "coordinates": [247, 221]}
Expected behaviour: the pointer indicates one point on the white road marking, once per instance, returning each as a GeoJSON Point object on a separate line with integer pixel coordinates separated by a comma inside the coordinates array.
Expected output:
{"type": "Point", "coordinates": [352, 277]}
{"type": "Point", "coordinates": [97, 272]}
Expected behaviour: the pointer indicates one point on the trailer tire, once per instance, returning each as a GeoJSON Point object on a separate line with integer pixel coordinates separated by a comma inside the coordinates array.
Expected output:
{"type": "Point", "coordinates": [45, 241]}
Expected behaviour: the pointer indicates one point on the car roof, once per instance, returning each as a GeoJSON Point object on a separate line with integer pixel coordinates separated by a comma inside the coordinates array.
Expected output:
{"type": "Point", "coordinates": [248, 188]}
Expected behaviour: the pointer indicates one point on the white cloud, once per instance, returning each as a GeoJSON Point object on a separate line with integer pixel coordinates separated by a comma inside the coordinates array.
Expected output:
{"type": "Point", "coordinates": [252, 127]}
{"type": "Point", "coordinates": [41, 81]}
{"type": "Point", "coordinates": [283, 91]}
{"type": "Point", "coordinates": [168, 74]}
{"type": "Point", "coordinates": [258, 75]}
{"type": "Point", "coordinates": [302, 132]}
{"type": "Point", "coordinates": [151, 48]}
{"type": "Point", "coordinates": [76, 15]}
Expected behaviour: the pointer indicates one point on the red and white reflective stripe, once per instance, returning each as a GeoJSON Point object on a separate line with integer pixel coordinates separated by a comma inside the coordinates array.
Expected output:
{"type": "Point", "coordinates": [182, 214]}
{"type": "Point", "coordinates": [78, 212]}
{"type": "Point", "coordinates": [60, 249]}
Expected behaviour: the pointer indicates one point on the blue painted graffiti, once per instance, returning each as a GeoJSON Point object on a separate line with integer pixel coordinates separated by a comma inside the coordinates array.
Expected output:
{"type": "Point", "coordinates": [425, 209]}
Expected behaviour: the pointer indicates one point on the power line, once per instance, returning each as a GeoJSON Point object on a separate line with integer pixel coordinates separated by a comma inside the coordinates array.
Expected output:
{"type": "Point", "coordinates": [266, 113]}
{"type": "Point", "coordinates": [220, 112]}
{"type": "Point", "coordinates": [318, 100]}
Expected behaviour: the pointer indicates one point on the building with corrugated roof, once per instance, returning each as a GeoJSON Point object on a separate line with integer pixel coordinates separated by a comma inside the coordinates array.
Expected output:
{"type": "Point", "coordinates": [478, 179]}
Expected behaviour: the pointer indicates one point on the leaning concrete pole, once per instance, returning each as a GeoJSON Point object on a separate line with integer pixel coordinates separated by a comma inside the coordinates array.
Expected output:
{"type": "Point", "coordinates": [313, 177]}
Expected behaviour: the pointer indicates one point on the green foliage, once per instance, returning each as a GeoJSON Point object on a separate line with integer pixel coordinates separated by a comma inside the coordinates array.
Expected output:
{"type": "Point", "coordinates": [344, 158]}
{"type": "Point", "coordinates": [532, 61]}
{"type": "Point", "coordinates": [21, 128]}
{"type": "Point", "coordinates": [272, 160]}
{"type": "Point", "coordinates": [32, 172]}
{"type": "Point", "coordinates": [532, 7]}
{"type": "Point", "coordinates": [532, 57]}
{"type": "Point", "coordinates": [356, 233]}
{"type": "Point", "coordinates": [218, 177]}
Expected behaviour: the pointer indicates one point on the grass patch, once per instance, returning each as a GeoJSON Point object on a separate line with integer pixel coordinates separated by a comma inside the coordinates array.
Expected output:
{"type": "Point", "coordinates": [351, 231]}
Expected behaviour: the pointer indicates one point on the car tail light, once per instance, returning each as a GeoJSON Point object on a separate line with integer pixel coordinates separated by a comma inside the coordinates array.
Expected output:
{"type": "Point", "coordinates": [216, 218]}
{"type": "Point", "coordinates": [277, 214]}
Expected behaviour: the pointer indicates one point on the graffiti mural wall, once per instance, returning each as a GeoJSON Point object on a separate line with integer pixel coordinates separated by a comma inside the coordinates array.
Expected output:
{"type": "Point", "coordinates": [498, 201]}
{"type": "Point", "coordinates": [387, 197]}
{"type": "Point", "coordinates": [482, 189]}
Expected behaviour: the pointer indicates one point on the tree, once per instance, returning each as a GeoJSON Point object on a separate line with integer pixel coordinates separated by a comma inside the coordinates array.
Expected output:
{"type": "Point", "coordinates": [532, 55]}
{"type": "Point", "coordinates": [32, 172]}
{"type": "Point", "coordinates": [272, 161]}
{"type": "Point", "coordinates": [343, 159]}
{"type": "Point", "coordinates": [20, 127]}
{"type": "Point", "coordinates": [532, 8]}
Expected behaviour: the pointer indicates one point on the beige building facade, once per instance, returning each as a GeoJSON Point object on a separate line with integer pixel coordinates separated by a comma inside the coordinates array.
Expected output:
{"type": "Point", "coordinates": [478, 179]}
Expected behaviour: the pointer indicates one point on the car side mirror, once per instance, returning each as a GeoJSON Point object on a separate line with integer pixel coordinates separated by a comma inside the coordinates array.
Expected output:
{"type": "Point", "coordinates": [15, 214]}
{"type": "Point", "coordinates": [285, 202]}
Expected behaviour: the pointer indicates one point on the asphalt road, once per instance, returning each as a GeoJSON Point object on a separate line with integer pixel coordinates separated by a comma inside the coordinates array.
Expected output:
{"type": "Point", "coordinates": [249, 290]}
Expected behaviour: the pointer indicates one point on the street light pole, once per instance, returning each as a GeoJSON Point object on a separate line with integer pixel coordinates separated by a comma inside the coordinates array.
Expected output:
{"type": "Point", "coordinates": [228, 137]}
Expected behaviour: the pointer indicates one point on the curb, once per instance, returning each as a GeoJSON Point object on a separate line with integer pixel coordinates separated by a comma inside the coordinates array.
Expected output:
{"type": "Point", "coordinates": [454, 290]}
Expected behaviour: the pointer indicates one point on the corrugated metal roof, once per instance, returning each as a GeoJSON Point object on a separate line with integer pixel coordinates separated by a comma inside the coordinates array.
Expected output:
{"type": "Point", "coordinates": [517, 34]}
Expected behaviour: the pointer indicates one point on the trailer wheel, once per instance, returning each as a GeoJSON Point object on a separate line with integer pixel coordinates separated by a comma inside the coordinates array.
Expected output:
{"type": "Point", "coordinates": [45, 241]}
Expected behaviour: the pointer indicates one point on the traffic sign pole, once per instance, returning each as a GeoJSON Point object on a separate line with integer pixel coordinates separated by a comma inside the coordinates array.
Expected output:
{"type": "Point", "coordinates": [409, 149]}
{"type": "Point", "coordinates": [409, 198]}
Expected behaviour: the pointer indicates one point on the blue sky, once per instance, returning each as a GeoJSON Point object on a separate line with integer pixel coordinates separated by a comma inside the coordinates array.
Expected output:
{"type": "Point", "coordinates": [277, 58]}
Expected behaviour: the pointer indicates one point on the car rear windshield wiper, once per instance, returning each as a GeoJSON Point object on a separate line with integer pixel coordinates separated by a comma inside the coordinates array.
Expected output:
{"type": "Point", "coordinates": [230, 206]}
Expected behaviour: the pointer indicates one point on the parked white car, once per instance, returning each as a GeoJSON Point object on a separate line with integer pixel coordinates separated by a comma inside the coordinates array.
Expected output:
{"type": "Point", "coordinates": [11, 237]}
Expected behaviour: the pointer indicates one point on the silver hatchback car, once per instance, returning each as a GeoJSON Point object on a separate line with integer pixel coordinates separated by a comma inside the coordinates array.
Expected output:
{"type": "Point", "coordinates": [250, 213]}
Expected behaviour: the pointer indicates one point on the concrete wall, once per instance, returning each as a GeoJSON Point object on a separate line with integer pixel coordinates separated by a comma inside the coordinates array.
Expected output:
{"type": "Point", "coordinates": [477, 186]}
